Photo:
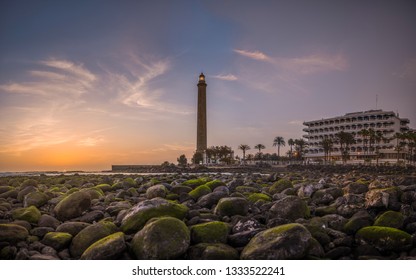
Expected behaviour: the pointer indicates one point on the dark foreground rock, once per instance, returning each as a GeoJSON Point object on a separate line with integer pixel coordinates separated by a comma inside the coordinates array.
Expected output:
{"type": "Point", "coordinates": [300, 213]}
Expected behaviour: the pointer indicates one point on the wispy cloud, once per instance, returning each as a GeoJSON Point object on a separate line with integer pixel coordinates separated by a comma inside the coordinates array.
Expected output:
{"type": "Point", "coordinates": [228, 77]}
{"type": "Point", "coordinates": [66, 66]}
{"type": "Point", "coordinates": [257, 55]}
{"type": "Point", "coordinates": [90, 141]}
{"type": "Point", "coordinates": [408, 70]}
{"type": "Point", "coordinates": [314, 63]}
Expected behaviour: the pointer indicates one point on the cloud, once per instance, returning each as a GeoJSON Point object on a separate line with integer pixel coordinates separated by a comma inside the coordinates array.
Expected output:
{"type": "Point", "coordinates": [77, 70]}
{"type": "Point", "coordinates": [90, 141]}
{"type": "Point", "coordinates": [408, 70]}
{"type": "Point", "coordinates": [228, 77]}
{"type": "Point", "coordinates": [257, 55]}
{"type": "Point", "coordinates": [313, 63]}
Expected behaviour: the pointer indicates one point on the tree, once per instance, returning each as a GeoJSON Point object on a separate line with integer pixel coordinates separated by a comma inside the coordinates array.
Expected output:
{"type": "Point", "coordinates": [260, 147]}
{"type": "Point", "coordinates": [400, 138]}
{"type": "Point", "coordinates": [300, 145]}
{"type": "Point", "coordinates": [291, 143]}
{"type": "Point", "coordinates": [197, 158]}
{"type": "Point", "coordinates": [345, 139]}
{"type": "Point", "coordinates": [378, 138]}
{"type": "Point", "coordinates": [244, 148]}
{"type": "Point", "coordinates": [182, 161]}
{"type": "Point", "coordinates": [364, 134]}
{"type": "Point", "coordinates": [327, 145]}
{"type": "Point", "coordinates": [278, 141]}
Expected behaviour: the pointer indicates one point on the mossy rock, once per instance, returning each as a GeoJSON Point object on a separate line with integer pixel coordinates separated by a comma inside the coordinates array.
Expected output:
{"type": "Point", "coordinates": [9, 194]}
{"type": "Point", "coordinates": [289, 241]}
{"type": "Point", "coordinates": [211, 232]}
{"type": "Point", "coordinates": [178, 189]}
{"type": "Point", "coordinates": [4, 189]}
{"type": "Point", "coordinates": [30, 214]}
{"type": "Point", "coordinates": [254, 197]}
{"type": "Point", "coordinates": [37, 199]}
{"type": "Point", "coordinates": [246, 189]}
{"type": "Point", "coordinates": [72, 190]}
{"type": "Point", "coordinates": [230, 206]}
{"type": "Point", "coordinates": [103, 187]}
{"type": "Point", "coordinates": [199, 191]}
{"type": "Point", "coordinates": [29, 182]}
{"type": "Point", "coordinates": [72, 228]}
{"type": "Point", "coordinates": [357, 221]}
{"type": "Point", "coordinates": [290, 208]}
{"type": "Point", "coordinates": [196, 182]}
{"type": "Point", "coordinates": [213, 184]}
{"type": "Point", "coordinates": [390, 219]}
{"type": "Point", "coordinates": [13, 233]}
{"type": "Point", "coordinates": [384, 238]}
{"type": "Point", "coordinates": [72, 206]}
{"type": "Point", "coordinates": [160, 239]}
{"type": "Point", "coordinates": [156, 191]}
{"type": "Point", "coordinates": [57, 240]}
{"type": "Point", "coordinates": [280, 186]}
{"type": "Point", "coordinates": [107, 248]}
{"type": "Point", "coordinates": [94, 193]}
{"type": "Point", "coordinates": [89, 235]}
{"type": "Point", "coordinates": [212, 251]}
{"type": "Point", "coordinates": [325, 210]}
{"type": "Point", "coordinates": [139, 214]}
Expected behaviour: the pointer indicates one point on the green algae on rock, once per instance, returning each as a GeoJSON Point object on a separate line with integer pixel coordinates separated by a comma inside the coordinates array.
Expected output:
{"type": "Point", "coordinates": [390, 219]}
{"type": "Point", "coordinates": [254, 197]}
{"type": "Point", "coordinates": [57, 240]}
{"type": "Point", "coordinates": [199, 191]}
{"type": "Point", "coordinates": [107, 248]}
{"type": "Point", "coordinates": [290, 208]}
{"type": "Point", "coordinates": [280, 186]}
{"type": "Point", "coordinates": [139, 214]}
{"type": "Point", "coordinates": [35, 199]}
{"type": "Point", "coordinates": [73, 205]}
{"type": "Point", "coordinates": [289, 241]}
{"type": "Point", "coordinates": [161, 238]}
{"type": "Point", "coordinates": [210, 232]}
{"type": "Point", "coordinates": [230, 206]}
{"type": "Point", "coordinates": [30, 214]}
{"type": "Point", "coordinates": [384, 238]}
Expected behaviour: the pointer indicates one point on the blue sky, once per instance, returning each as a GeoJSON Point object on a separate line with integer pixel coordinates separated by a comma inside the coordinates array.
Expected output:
{"type": "Point", "coordinates": [87, 84]}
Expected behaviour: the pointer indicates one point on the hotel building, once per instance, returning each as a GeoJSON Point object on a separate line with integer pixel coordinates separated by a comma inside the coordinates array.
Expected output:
{"type": "Point", "coordinates": [385, 121]}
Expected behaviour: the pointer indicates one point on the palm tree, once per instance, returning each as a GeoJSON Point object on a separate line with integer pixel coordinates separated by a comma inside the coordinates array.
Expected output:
{"type": "Point", "coordinates": [300, 145]}
{"type": "Point", "coordinates": [378, 137]}
{"type": "Point", "coordinates": [244, 148]}
{"type": "Point", "coordinates": [327, 145]}
{"type": "Point", "coordinates": [411, 144]}
{"type": "Point", "coordinates": [400, 137]}
{"type": "Point", "coordinates": [291, 143]}
{"type": "Point", "coordinates": [364, 134]}
{"type": "Point", "coordinates": [260, 147]}
{"type": "Point", "coordinates": [278, 141]}
{"type": "Point", "coordinates": [345, 140]}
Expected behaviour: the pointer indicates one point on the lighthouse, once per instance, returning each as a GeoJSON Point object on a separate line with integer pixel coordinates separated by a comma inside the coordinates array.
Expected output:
{"type": "Point", "coordinates": [201, 133]}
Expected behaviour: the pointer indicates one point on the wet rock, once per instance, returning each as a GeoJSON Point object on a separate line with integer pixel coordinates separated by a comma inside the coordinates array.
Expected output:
{"type": "Point", "coordinates": [211, 199]}
{"type": "Point", "coordinates": [93, 216]}
{"type": "Point", "coordinates": [355, 188]}
{"type": "Point", "coordinates": [138, 215]}
{"type": "Point", "coordinates": [107, 248]}
{"type": "Point", "coordinates": [89, 235]}
{"type": "Point", "coordinates": [57, 240]}
{"type": "Point", "coordinates": [12, 233]}
{"type": "Point", "coordinates": [290, 208]}
{"type": "Point", "coordinates": [41, 231]}
{"type": "Point", "coordinates": [384, 238]}
{"type": "Point", "coordinates": [36, 199]}
{"type": "Point", "coordinates": [242, 238]}
{"type": "Point", "coordinates": [357, 221]}
{"type": "Point", "coordinates": [211, 232]}
{"type": "Point", "coordinates": [280, 186]}
{"type": "Point", "coordinates": [30, 214]}
{"type": "Point", "coordinates": [161, 238]}
{"type": "Point", "coordinates": [199, 191]}
{"type": "Point", "coordinates": [390, 219]}
{"type": "Point", "coordinates": [381, 198]}
{"type": "Point", "coordinates": [72, 228]}
{"type": "Point", "coordinates": [48, 221]}
{"type": "Point", "coordinates": [230, 206]}
{"type": "Point", "coordinates": [288, 241]}
{"type": "Point", "coordinates": [156, 191]}
{"type": "Point", "coordinates": [338, 252]}
{"type": "Point", "coordinates": [72, 206]}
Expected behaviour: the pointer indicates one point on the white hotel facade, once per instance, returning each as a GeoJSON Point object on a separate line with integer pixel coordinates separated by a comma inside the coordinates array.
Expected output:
{"type": "Point", "coordinates": [385, 121]}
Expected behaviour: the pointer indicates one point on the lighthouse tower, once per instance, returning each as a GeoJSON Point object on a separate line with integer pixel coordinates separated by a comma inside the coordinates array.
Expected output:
{"type": "Point", "coordinates": [201, 133]}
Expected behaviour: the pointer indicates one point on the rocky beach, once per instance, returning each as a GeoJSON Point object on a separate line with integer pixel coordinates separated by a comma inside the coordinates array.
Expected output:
{"type": "Point", "coordinates": [299, 212]}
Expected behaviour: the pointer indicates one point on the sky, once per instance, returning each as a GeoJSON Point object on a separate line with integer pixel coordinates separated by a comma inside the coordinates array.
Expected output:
{"type": "Point", "coordinates": [88, 84]}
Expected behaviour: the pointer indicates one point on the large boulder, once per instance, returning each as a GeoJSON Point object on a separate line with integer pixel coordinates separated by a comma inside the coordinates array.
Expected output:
{"type": "Point", "coordinates": [30, 214]}
{"type": "Point", "coordinates": [290, 208]}
{"type": "Point", "coordinates": [211, 232]}
{"type": "Point", "coordinates": [211, 199]}
{"type": "Point", "coordinates": [139, 214]}
{"type": "Point", "coordinates": [107, 248]}
{"type": "Point", "coordinates": [156, 191]}
{"type": "Point", "coordinates": [384, 238]}
{"type": "Point", "coordinates": [57, 240]}
{"type": "Point", "coordinates": [73, 205]}
{"type": "Point", "coordinates": [35, 199]}
{"type": "Point", "coordinates": [160, 239]}
{"type": "Point", "coordinates": [280, 186]}
{"type": "Point", "coordinates": [90, 235]}
{"type": "Point", "coordinates": [199, 192]}
{"type": "Point", "coordinates": [385, 198]}
{"type": "Point", "coordinates": [230, 206]}
{"type": "Point", "coordinates": [390, 219]}
{"type": "Point", "coordinates": [12, 233]}
{"type": "Point", "coordinates": [72, 228]}
{"type": "Point", "coordinates": [357, 221]}
{"type": "Point", "coordinates": [288, 241]}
